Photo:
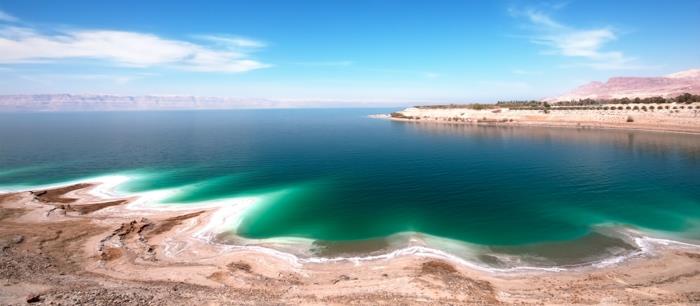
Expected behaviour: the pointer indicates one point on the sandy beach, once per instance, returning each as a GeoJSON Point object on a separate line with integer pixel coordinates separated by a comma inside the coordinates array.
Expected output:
{"type": "Point", "coordinates": [68, 246]}
{"type": "Point", "coordinates": [679, 120]}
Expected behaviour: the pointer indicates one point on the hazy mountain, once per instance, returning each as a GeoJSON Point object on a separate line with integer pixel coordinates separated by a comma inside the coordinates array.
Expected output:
{"type": "Point", "coordinates": [70, 102]}
{"type": "Point", "coordinates": [666, 86]}
{"type": "Point", "coordinates": [619, 87]}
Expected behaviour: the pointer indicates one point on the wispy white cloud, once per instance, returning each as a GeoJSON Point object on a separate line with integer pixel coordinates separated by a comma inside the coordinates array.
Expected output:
{"type": "Point", "coordinates": [5, 17]}
{"type": "Point", "coordinates": [234, 41]}
{"type": "Point", "coordinates": [134, 49]}
{"type": "Point", "coordinates": [542, 19]}
{"type": "Point", "coordinates": [587, 45]}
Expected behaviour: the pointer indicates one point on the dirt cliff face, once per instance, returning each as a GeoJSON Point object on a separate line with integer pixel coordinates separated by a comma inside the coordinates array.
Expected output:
{"type": "Point", "coordinates": [619, 87]}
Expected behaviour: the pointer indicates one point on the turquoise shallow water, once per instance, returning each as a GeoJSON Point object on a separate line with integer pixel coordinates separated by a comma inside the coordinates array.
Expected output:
{"type": "Point", "coordinates": [349, 182]}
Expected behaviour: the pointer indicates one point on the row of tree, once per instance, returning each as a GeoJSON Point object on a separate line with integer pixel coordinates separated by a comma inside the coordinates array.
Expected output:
{"type": "Point", "coordinates": [643, 107]}
{"type": "Point", "coordinates": [573, 104]}
{"type": "Point", "coordinates": [684, 98]}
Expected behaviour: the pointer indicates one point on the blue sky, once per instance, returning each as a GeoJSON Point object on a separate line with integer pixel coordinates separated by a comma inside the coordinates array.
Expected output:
{"type": "Point", "coordinates": [363, 50]}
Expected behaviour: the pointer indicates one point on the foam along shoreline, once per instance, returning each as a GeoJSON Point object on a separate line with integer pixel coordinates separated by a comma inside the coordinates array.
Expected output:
{"type": "Point", "coordinates": [225, 215]}
{"type": "Point", "coordinates": [685, 120]}
{"type": "Point", "coordinates": [139, 242]}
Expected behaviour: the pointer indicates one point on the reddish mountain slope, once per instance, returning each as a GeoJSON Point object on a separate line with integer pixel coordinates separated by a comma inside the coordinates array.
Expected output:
{"type": "Point", "coordinates": [619, 87]}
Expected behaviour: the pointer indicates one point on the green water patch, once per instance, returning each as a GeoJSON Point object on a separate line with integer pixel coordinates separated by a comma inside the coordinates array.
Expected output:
{"type": "Point", "coordinates": [150, 179]}
{"type": "Point", "coordinates": [28, 169]}
{"type": "Point", "coordinates": [323, 212]}
{"type": "Point", "coordinates": [39, 174]}
{"type": "Point", "coordinates": [667, 212]}
{"type": "Point", "coordinates": [228, 186]}
{"type": "Point", "coordinates": [331, 212]}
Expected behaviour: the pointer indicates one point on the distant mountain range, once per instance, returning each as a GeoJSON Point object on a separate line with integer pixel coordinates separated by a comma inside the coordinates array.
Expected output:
{"type": "Point", "coordinates": [670, 85]}
{"type": "Point", "coordinates": [68, 102]}
{"type": "Point", "coordinates": [71, 102]}
{"type": "Point", "coordinates": [618, 87]}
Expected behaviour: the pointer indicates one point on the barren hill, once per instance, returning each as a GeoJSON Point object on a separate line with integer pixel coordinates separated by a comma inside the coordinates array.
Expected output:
{"type": "Point", "coordinates": [670, 85]}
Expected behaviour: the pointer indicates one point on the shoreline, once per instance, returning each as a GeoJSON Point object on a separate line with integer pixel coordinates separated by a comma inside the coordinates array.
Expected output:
{"type": "Point", "coordinates": [162, 245]}
{"type": "Point", "coordinates": [567, 125]}
{"type": "Point", "coordinates": [683, 121]}
{"type": "Point", "coordinates": [218, 214]}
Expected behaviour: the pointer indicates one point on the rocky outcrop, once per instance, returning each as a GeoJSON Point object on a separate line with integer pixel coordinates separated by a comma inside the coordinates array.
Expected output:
{"type": "Point", "coordinates": [129, 238]}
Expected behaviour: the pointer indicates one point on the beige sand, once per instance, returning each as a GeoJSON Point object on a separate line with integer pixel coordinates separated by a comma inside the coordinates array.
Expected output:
{"type": "Point", "coordinates": [685, 120]}
{"type": "Point", "coordinates": [65, 246]}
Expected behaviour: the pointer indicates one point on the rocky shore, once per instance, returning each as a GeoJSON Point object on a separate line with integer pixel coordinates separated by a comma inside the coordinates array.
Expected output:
{"type": "Point", "coordinates": [64, 246]}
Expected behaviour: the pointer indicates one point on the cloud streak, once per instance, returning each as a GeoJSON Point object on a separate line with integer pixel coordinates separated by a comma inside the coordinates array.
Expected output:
{"type": "Point", "coordinates": [587, 45]}
{"type": "Point", "coordinates": [5, 17]}
{"type": "Point", "coordinates": [131, 49]}
{"type": "Point", "coordinates": [234, 41]}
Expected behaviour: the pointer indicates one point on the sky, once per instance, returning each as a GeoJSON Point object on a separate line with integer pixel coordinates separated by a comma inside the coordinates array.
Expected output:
{"type": "Point", "coordinates": [360, 50]}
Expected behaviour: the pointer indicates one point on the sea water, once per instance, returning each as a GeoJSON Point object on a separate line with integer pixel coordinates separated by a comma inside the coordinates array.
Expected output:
{"type": "Point", "coordinates": [348, 185]}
